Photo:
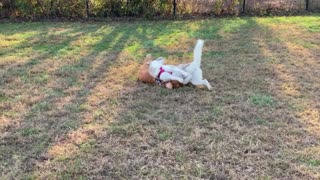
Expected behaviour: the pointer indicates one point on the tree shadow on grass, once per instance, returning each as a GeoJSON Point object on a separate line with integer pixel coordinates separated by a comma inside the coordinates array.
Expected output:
{"type": "Point", "coordinates": [244, 128]}
{"type": "Point", "coordinates": [108, 126]}
{"type": "Point", "coordinates": [295, 63]}
{"type": "Point", "coordinates": [43, 48]}
{"type": "Point", "coordinates": [59, 110]}
{"type": "Point", "coordinates": [146, 133]}
{"type": "Point", "coordinates": [61, 125]}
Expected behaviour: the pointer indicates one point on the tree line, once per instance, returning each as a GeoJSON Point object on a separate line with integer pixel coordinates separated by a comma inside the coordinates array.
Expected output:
{"type": "Point", "coordinates": [129, 8]}
{"type": "Point", "coordinates": [84, 8]}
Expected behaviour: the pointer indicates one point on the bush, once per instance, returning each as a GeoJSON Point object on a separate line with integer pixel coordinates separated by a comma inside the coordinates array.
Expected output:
{"type": "Point", "coordinates": [218, 7]}
{"type": "Point", "coordinates": [140, 8]}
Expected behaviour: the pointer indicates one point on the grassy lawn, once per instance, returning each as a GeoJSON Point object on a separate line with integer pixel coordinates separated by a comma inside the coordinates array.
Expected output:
{"type": "Point", "coordinates": [70, 105]}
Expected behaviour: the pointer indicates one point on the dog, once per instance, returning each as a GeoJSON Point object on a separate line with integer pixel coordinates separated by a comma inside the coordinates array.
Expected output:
{"type": "Point", "coordinates": [183, 73]}
{"type": "Point", "coordinates": [145, 77]}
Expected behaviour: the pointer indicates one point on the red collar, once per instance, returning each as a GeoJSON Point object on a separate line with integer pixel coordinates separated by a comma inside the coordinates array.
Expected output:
{"type": "Point", "coordinates": [162, 71]}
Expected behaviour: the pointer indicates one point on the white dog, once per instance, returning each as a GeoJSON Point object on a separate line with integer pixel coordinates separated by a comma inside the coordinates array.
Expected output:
{"type": "Point", "coordinates": [184, 73]}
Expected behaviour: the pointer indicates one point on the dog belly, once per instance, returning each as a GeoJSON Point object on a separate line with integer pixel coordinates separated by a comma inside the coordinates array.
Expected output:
{"type": "Point", "coordinates": [176, 74]}
{"type": "Point", "coordinates": [196, 76]}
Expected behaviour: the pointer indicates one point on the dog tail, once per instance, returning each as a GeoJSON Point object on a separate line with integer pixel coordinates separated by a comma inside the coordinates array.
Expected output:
{"type": "Point", "coordinates": [197, 53]}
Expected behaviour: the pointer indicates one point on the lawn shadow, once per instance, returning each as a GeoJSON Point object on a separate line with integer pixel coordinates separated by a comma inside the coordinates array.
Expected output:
{"type": "Point", "coordinates": [244, 128]}
{"type": "Point", "coordinates": [44, 46]}
{"type": "Point", "coordinates": [100, 123]}
{"type": "Point", "coordinates": [61, 108]}
{"type": "Point", "coordinates": [163, 131]}
{"type": "Point", "coordinates": [101, 106]}
{"type": "Point", "coordinates": [295, 65]}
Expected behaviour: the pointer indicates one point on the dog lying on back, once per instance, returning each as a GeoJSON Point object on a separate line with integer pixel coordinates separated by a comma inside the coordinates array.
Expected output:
{"type": "Point", "coordinates": [183, 73]}
{"type": "Point", "coordinates": [144, 76]}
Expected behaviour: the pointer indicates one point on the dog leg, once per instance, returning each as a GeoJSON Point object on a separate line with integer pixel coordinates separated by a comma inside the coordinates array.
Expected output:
{"type": "Point", "coordinates": [168, 77]}
{"type": "Point", "coordinates": [179, 72]}
{"type": "Point", "coordinates": [187, 79]}
{"type": "Point", "coordinates": [208, 84]}
{"type": "Point", "coordinates": [197, 53]}
{"type": "Point", "coordinates": [176, 69]}
{"type": "Point", "coordinates": [203, 82]}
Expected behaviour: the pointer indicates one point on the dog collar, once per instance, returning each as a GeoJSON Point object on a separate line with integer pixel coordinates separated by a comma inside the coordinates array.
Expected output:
{"type": "Point", "coordinates": [162, 71]}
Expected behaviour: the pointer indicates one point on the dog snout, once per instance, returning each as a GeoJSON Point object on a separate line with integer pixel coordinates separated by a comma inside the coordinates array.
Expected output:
{"type": "Point", "coordinates": [160, 59]}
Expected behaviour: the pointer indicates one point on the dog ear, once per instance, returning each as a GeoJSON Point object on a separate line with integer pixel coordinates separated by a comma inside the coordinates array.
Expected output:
{"type": "Point", "coordinates": [148, 58]}
{"type": "Point", "coordinates": [160, 60]}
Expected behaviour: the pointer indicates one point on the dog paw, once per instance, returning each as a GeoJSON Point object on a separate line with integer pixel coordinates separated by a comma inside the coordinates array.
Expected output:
{"type": "Point", "coordinates": [169, 85]}
{"type": "Point", "coordinates": [187, 80]}
{"type": "Point", "coordinates": [179, 79]}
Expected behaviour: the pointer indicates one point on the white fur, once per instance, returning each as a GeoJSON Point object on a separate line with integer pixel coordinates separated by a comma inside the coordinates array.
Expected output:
{"type": "Point", "coordinates": [184, 73]}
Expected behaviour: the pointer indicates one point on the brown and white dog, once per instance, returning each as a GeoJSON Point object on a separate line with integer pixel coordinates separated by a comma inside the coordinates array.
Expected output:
{"type": "Point", "coordinates": [171, 76]}
{"type": "Point", "coordinates": [145, 77]}
{"type": "Point", "coordinates": [183, 73]}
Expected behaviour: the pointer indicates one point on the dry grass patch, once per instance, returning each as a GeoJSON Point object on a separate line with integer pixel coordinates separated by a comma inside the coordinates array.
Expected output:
{"type": "Point", "coordinates": [70, 105]}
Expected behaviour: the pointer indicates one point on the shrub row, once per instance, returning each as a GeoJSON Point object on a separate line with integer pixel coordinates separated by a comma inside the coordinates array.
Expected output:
{"type": "Point", "coordinates": [147, 8]}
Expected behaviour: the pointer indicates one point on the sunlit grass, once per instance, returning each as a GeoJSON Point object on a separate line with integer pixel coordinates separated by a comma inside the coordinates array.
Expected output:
{"type": "Point", "coordinates": [70, 105]}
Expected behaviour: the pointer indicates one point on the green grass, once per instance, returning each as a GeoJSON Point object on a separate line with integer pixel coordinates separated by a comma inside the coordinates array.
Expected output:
{"type": "Point", "coordinates": [41, 107]}
{"type": "Point", "coordinates": [262, 122]}
{"type": "Point", "coordinates": [164, 135]}
{"type": "Point", "coordinates": [262, 100]}
{"type": "Point", "coordinates": [3, 97]}
{"type": "Point", "coordinates": [29, 132]}
{"type": "Point", "coordinates": [313, 162]}
{"type": "Point", "coordinates": [314, 28]}
{"type": "Point", "coordinates": [118, 130]}
{"type": "Point", "coordinates": [71, 108]}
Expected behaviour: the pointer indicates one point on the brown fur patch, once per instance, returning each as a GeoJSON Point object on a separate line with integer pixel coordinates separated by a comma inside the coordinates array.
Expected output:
{"type": "Point", "coordinates": [144, 75]}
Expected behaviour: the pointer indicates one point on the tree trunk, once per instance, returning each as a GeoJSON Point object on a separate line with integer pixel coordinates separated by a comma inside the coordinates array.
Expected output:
{"type": "Point", "coordinates": [40, 4]}
{"type": "Point", "coordinates": [128, 5]}
{"type": "Point", "coordinates": [307, 5]}
{"type": "Point", "coordinates": [87, 9]}
{"type": "Point", "coordinates": [244, 6]}
{"type": "Point", "coordinates": [174, 7]}
{"type": "Point", "coordinates": [51, 6]}
{"type": "Point", "coordinates": [12, 6]}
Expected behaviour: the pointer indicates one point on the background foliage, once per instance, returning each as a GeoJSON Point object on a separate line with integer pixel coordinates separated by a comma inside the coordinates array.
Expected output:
{"type": "Point", "coordinates": [148, 8]}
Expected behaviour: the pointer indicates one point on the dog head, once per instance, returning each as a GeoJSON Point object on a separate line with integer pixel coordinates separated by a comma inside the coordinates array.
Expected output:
{"type": "Point", "coordinates": [154, 66]}
{"type": "Point", "coordinates": [144, 75]}
{"type": "Point", "coordinates": [148, 59]}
